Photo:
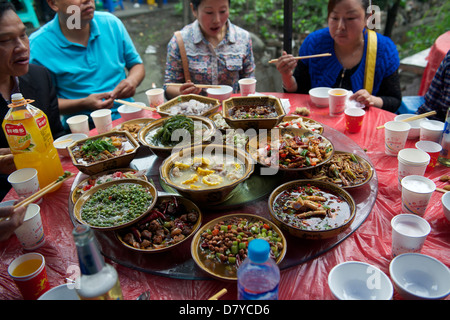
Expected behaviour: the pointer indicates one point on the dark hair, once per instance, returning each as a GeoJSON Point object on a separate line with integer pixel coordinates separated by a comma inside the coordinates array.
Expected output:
{"type": "Point", "coordinates": [5, 6]}
{"type": "Point", "coordinates": [332, 3]}
{"type": "Point", "coordinates": [196, 3]}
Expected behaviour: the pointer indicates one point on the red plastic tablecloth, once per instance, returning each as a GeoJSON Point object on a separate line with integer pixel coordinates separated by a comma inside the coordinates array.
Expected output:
{"type": "Point", "coordinates": [435, 57]}
{"type": "Point", "coordinates": [370, 243]}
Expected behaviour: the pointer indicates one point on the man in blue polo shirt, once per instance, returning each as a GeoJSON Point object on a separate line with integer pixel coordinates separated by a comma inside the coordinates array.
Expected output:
{"type": "Point", "coordinates": [87, 53]}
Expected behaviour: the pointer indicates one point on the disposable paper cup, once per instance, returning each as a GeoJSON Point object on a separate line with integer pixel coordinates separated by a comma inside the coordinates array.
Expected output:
{"type": "Point", "coordinates": [337, 99]}
{"type": "Point", "coordinates": [416, 194]}
{"type": "Point", "coordinates": [155, 97]}
{"type": "Point", "coordinates": [411, 162]}
{"type": "Point", "coordinates": [431, 130]}
{"type": "Point", "coordinates": [25, 182]}
{"type": "Point", "coordinates": [79, 124]}
{"type": "Point", "coordinates": [247, 86]}
{"type": "Point", "coordinates": [129, 112]}
{"type": "Point", "coordinates": [409, 232]}
{"type": "Point", "coordinates": [395, 136]}
{"type": "Point", "coordinates": [102, 120]}
{"type": "Point", "coordinates": [31, 232]}
{"type": "Point", "coordinates": [433, 149]}
{"type": "Point", "coordinates": [354, 119]}
{"type": "Point", "coordinates": [32, 281]}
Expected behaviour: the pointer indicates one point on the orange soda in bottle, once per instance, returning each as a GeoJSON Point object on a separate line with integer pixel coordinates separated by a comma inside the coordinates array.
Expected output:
{"type": "Point", "coordinates": [30, 140]}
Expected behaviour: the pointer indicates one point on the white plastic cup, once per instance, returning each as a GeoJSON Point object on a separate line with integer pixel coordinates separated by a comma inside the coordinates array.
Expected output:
{"type": "Point", "coordinates": [395, 136]}
{"type": "Point", "coordinates": [409, 233]}
{"type": "Point", "coordinates": [31, 232]}
{"type": "Point", "coordinates": [79, 124]}
{"type": "Point", "coordinates": [247, 86]}
{"type": "Point", "coordinates": [337, 101]}
{"type": "Point", "coordinates": [431, 130]}
{"type": "Point", "coordinates": [129, 112]}
{"type": "Point", "coordinates": [155, 97]}
{"type": "Point", "coordinates": [416, 194]}
{"type": "Point", "coordinates": [102, 120]}
{"type": "Point", "coordinates": [25, 182]}
{"type": "Point", "coordinates": [411, 162]}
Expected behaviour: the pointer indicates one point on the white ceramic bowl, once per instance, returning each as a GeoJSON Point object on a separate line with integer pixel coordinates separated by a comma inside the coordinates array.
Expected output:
{"type": "Point", "coordinates": [319, 96]}
{"type": "Point", "coordinates": [414, 132]}
{"type": "Point", "coordinates": [355, 280]}
{"type": "Point", "coordinates": [418, 276]}
{"type": "Point", "coordinates": [222, 93]}
{"type": "Point", "coordinates": [63, 142]}
{"type": "Point", "coordinates": [61, 292]}
{"type": "Point", "coordinates": [446, 205]}
{"type": "Point", "coordinates": [129, 112]}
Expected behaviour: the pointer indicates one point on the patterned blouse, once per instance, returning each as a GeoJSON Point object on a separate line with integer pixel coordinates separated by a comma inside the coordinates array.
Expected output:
{"type": "Point", "coordinates": [230, 61]}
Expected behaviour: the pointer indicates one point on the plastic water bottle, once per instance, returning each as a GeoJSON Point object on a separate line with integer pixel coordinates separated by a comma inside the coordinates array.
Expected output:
{"type": "Point", "coordinates": [444, 157]}
{"type": "Point", "coordinates": [259, 275]}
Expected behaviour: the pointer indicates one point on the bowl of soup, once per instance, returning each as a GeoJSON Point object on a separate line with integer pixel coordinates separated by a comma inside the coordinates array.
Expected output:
{"type": "Point", "coordinates": [164, 135]}
{"type": "Point", "coordinates": [110, 150]}
{"type": "Point", "coordinates": [254, 112]}
{"type": "Point", "coordinates": [312, 209]}
{"type": "Point", "coordinates": [207, 173]}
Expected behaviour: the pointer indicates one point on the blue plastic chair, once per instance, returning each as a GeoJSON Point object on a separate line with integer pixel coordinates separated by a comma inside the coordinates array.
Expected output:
{"type": "Point", "coordinates": [410, 104]}
{"type": "Point", "coordinates": [111, 5]}
{"type": "Point", "coordinates": [28, 14]}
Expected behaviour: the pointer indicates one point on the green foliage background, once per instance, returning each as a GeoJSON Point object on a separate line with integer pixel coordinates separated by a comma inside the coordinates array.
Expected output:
{"type": "Point", "coordinates": [266, 18]}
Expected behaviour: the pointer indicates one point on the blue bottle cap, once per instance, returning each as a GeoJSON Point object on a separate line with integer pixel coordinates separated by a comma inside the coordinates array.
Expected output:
{"type": "Point", "coordinates": [258, 250]}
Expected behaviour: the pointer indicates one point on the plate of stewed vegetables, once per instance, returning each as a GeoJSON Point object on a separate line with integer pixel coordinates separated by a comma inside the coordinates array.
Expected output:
{"type": "Point", "coordinates": [171, 222]}
{"type": "Point", "coordinates": [290, 149]}
{"type": "Point", "coordinates": [221, 245]}
{"type": "Point", "coordinates": [115, 204]}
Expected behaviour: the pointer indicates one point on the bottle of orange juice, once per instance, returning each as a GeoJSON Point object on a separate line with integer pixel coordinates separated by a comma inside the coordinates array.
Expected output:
{"type": "Point", "coordinates": [30, 140]}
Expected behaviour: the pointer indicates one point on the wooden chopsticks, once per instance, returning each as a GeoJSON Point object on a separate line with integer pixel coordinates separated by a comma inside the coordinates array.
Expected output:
{"type": "Point", "coordinates": [218, 294]}
{"type": "Point", "coordinates": [203, 86]}
{"type": "Point", "coordinates": [128, 103]}
{"type": "Point", "coordinates": [44, 190]}
{"type": "Point", "coordinates": [306, 57]}
{"type": "Point", "coordinates": [420, 116]}
{"type": "Point", "coordinates": [441, 190]}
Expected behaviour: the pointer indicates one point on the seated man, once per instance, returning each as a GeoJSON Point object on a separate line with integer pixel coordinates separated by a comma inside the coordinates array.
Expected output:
{"type": "Point", "coordinates": [17, 75]}
{"type": "Point", "coordinates": [437, 97]}
{"type": "Point", "coordinates": [87, 53]}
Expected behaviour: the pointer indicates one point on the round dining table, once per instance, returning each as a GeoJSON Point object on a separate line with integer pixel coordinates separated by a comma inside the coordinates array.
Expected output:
{"type": "Point", "coordinates": [304, 271]}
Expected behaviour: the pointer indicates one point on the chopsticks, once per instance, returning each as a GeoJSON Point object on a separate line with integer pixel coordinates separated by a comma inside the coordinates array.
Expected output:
{"type": "Point", "coordinates": [306, 57]}
{"type": "Point", "coordinates": [44, 190]}
{"type": "Point", "coordinates": [420, 116]}
{"type": "Point", "coordinates": [5, 155]}
{"type": "Point", "coordinates": [204, 86]}
{"type": "Point", "coordinates": [218, 294]}
{"type": "Point", "coordinates": [128, 103]}
{"type": "Point", "coordinates": [441, 190]}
